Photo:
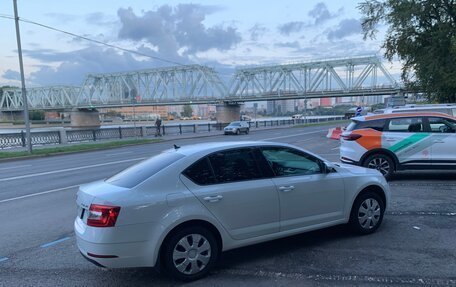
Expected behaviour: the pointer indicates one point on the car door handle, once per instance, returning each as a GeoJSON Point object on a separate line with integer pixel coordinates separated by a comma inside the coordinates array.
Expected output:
{"type": "Point", "coordinates": [213, 198]}
{"type": "Point", "coordinates": [439, 141]}
{"type": "Point", "coordinates": [390, 140]}
{"type": "Point", "coordinates": [286, 188]}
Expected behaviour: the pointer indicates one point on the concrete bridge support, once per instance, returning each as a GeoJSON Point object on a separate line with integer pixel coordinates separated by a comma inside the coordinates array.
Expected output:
{"type": "Point", "coordinates": [85, 118]}
{"type": "Point", "coordinates": [228, 112]}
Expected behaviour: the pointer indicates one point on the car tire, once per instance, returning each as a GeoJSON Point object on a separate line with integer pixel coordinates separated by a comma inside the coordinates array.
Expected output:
{"type": "Point", "coordinates": [237, 132]}
{"type": "Point", "coordinates": [247, 131]}
{"type": "Point", "coordinates": [187, 260]}
{"type": "Point", "coordinates": [382, 163]}
{"type": "Point", "coordinates": [367, 213]}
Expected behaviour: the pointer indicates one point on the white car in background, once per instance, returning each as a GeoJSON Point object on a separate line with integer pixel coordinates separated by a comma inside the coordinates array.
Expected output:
{"type": "Point", "coordinates": [237, 127]}
{"type": "Point", "coordinates": [180, 209]}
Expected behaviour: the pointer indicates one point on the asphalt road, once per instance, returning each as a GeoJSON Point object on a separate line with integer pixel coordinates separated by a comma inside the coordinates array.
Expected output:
{"type": "Point", "coordinates": [415, 246]}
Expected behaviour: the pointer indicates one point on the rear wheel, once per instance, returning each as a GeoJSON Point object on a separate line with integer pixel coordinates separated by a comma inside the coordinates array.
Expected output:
{"type": "Point", "coordinates": [382, 163]}
{"type": "Point", "coordinates": [367, 213]}
{"type": "Point", "coordinates": [237, 132]}
{"type": "Point", "coordinates": [190, 253]}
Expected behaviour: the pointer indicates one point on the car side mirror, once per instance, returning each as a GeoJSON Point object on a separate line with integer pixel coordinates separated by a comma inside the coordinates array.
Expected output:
{"type": "Point", "coordinates": [328, 167]}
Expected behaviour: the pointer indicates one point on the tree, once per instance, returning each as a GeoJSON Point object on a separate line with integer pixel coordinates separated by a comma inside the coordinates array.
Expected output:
{"type": "Point", "coordinates": [422, 34]}
{"type": "Point", "coordinates": [187, 111]}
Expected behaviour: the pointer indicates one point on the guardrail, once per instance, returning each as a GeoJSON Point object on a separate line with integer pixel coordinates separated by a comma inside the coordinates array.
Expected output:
{"type": "Point", "coordinates": [68, 136]}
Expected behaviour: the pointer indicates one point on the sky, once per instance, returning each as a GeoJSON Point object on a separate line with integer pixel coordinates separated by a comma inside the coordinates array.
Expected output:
{"type": "Point", "coordinates": [220, 34]}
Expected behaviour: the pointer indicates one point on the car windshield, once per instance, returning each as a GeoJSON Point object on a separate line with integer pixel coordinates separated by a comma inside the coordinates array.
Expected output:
{"type": "Point", "coordinates": [235, 124]}
{"type": "Point", "coordinates": [138, 173]}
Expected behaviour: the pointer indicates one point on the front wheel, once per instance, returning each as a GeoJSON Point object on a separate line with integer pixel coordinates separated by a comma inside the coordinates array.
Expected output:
{"type": "Point", "coordinates": [382, 163]}
{"type": "Point", "coordinates": [367, 213]}
{"type": "Point", "coordinates": [190, 253]}
{"type": "Point", "coordinates": [247, 131]}
{"type": "Point", "coordinates": [237, 132]}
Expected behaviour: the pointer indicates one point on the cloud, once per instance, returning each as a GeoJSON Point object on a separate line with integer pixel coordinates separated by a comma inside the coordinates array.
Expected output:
{"type": "Point", "coordinates": [257, 31]}
{"type": "Point", "coordinates": [345, 28]}
{"type": "Point", "coordinates": [294, 45]}
{"type": "Point", "coordinates": [321, 14]}
{"type": "Point", "coordinates": [179, 28]}
{"type": "Point", "coordinates": [291, 27]}
{"type": "Point", "coordinates": [100, 19]}
{"type": "Point", "coordinates": [62, 17]}
{"type": "Point", "coordinates": [11, 75]}
{"type": "Point", "coordinates": [72, 67]}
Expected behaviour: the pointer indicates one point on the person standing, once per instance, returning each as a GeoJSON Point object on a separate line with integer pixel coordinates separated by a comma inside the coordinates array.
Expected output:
{"type": "Point", "coordinates": [158, 123]}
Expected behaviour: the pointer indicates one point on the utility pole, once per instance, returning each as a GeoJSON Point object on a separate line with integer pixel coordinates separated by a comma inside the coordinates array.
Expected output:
{"type": "Point", "coordinates": [21, 67]}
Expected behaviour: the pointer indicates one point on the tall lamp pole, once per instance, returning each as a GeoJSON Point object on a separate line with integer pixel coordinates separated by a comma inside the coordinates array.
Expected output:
{"type": "Point", "coordinates": [21, 66]}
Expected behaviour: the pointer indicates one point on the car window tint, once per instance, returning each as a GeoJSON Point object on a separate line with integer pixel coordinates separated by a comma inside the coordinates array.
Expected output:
{"type": "Point", "coordinates": [290, 162]}
{"type": "Point", "coordinates": [412, 125]}
{"type": "Point", "coordinates": [377, 125]}
{"type": "Point", "coordinates": [200, 172]}
{"type": "Point", "coordinates": [234, 165]}
{"type": "Point", "coordinates": [138, 173]}
{"type": "Point", "coordinates": [442, 125]}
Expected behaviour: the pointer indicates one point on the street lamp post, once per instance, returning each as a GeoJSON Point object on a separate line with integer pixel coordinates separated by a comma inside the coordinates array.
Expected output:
{"type": "Point", "coordinates": [21, 67]}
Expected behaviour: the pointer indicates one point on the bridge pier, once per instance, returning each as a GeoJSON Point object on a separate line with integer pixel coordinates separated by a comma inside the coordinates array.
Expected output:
{"type": "Point", "coordinates": [85, 118]}
{"type": "Point", "coordinates": [228, 112]}
{"type": "Point", "coordinates": [12, 116]}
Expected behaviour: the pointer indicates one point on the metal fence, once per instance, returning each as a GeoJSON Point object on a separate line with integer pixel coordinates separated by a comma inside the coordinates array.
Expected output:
{"type": "Point", "coordinates": [11, 140]}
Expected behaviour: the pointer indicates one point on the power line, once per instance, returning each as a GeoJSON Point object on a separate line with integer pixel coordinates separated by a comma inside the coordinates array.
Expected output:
{"type": "Point", "coordinates": [96, 41]}
{"type": "Point", "coordinates": [92, 40]}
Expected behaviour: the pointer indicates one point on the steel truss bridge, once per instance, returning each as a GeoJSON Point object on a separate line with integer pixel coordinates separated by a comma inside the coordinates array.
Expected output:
{"type": "Point", "coordinates": [364, 76]}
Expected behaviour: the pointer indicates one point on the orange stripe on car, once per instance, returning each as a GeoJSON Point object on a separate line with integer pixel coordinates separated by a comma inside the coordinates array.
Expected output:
{"type": "Point", "coordinates": [370, 138]}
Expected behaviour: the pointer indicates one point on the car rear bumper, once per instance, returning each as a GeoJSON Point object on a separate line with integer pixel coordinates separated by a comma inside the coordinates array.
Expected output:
{"type": "Point", "coordinates": [99, 246]}
{"type": "Point", "coordinates": [122, 255]}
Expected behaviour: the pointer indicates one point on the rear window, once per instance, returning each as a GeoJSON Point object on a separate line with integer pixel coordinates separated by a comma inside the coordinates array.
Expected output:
{"type": "Point", "coordinates": [138, 173]}
{"type": "Point", "coordinates": [377, 125]}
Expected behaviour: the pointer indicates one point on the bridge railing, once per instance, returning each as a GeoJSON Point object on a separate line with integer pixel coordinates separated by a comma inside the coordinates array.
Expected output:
{"type": "Point", "coordinates": [62, 136]}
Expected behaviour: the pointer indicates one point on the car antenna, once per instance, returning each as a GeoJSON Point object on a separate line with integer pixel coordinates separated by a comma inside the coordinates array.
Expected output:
{"type": "Point", "coordinates": [176, 146]}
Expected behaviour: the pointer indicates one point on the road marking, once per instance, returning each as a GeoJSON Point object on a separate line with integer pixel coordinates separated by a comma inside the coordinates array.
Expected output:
{"type": "Point", "coordinates": [384, 280]}
{"type": "Point", "coordinates": [115, 154]}
{"type": "Point", "coordinates": [70, 169]}
{"type": "Point", "coordinates": [337, 147]}
{"type": "Point", "coordinates": [38, 193]}
{"type": "Point", "coordinates": [3, 259]}
{"type": "Point", "coordinates": [54, 242]}
{"type": "Point", "coordinates": [294, 135]}
{"type": "Point", "coordinates": [13, 167]}
{"type": "Point", "coordinates": [328, 154]}
{"type": "Point", "coordinates": [305, 140]}
{"type": "Point", "coordinates": [421, 213]}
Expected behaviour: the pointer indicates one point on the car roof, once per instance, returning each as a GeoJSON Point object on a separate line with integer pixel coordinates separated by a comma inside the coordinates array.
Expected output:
{"type": "Point", "coordinates": [205, 148]}
{"type": "Point", "coordinates": [400, 115]}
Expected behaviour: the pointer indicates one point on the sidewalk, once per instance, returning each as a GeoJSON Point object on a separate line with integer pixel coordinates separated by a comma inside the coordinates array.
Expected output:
{"type": "Point", "coordinates": [166, 137]}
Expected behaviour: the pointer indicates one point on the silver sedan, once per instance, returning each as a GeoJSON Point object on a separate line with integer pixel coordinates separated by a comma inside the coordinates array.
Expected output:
{"type": "Point", "coordinates": [180, 209]}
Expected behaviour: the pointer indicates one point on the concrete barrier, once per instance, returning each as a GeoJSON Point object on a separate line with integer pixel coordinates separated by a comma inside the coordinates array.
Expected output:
{"type": "Point", "coordinates": [334, 133]}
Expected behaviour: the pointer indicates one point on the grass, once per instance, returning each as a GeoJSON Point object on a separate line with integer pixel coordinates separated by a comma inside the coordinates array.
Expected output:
{"type": "Point", "coordinates": [322, 123]}
{"type": "Point", "coordinates": [75, 148]}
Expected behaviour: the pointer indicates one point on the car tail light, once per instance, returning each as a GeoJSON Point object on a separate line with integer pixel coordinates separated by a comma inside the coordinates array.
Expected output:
{"type": "Point", "coordinates": [102, 215]}
{"type": "Point", "coordinates": [351, 137]}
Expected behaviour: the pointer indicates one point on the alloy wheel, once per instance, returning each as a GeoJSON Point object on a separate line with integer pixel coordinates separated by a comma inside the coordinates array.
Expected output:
{"type": "Point", "coordinates": [191, 254]}
{"type": "Point", "coordinates": [380, 164]}
{"type": "Point", "coordinates": [369, 213]}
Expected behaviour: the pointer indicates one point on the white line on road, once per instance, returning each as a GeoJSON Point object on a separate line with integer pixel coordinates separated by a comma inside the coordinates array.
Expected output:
{"type": "Point", "coordinates": [337, 147]}
{"type": "Point", "coordinates": [54, 242]}
{"type": "Point", "coordinates": [300, 141]}
{"type": "Point", "coordinates": [38, 193]}
{"type": "Point", "coordinates": [17, 166]}
{"type": "Point", "coordinates": [3, 259]}
{"type": "Point", "coordinates": [293, 135]}
{"type": "Point", "coordinates": [70, 169]}
{"type": "Point", "coordinates": [115, 154]}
